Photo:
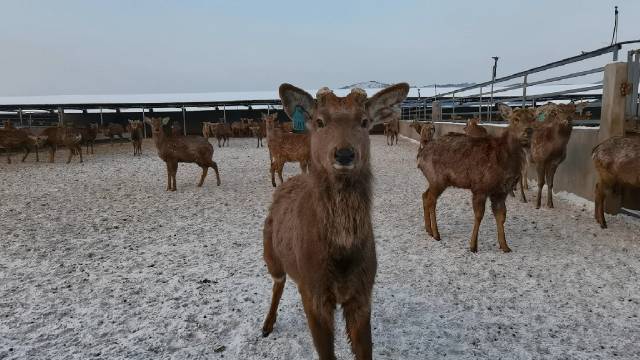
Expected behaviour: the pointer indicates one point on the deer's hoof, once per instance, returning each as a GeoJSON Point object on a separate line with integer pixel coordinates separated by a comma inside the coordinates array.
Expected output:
{"type": "Point", "coordinates": [506, 250]}
{"type": "Point", "coordinates": [473, 249]}
{"type": "Point", "coordinates": [436, 237]}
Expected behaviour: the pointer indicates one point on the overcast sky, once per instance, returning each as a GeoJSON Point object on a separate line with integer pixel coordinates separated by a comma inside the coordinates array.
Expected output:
{"type": "Point", "coordinates": [111, 47]}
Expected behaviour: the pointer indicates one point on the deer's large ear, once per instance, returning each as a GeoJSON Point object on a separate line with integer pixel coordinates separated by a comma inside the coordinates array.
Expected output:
{"type": "Point", "coordinates": [293, 97]}
{"type": "Point", "coordinates": [505, 110]}
{"type": "Point", "coordinates": [147, 120]}
{"type": "Point", "coordinates": [166, 120]}
{"type": "Point", "coordinates": [383, 106]}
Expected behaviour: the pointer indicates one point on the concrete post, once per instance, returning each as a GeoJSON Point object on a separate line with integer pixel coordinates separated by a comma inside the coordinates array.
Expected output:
{"type": "Point", "coordinates": [612, 118]}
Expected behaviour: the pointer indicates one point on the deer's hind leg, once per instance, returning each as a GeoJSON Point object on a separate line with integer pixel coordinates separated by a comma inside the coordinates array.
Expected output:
{"type": "Point", "coordinates": [479, 203]}
{"type": "Point", "coordinates": [277, 274]}
{"type": "Point", "coordinates": [432, 199]}
{"type": "Point", "coordinates": [500, 213]}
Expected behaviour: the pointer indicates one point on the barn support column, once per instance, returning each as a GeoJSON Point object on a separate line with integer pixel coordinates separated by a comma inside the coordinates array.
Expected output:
{"type": "Point", "coordinates": [101, 120]}
{"type": "Point", "coordinates": [20, 116]}
{"type": "Point", "coordinates": [60, 116]}
{"type": "Point", "coordinates": [612, 117]}
{"type": "Point", "coordinates": [184, 121]}
{"type": "Point", "coordinates": [144, 126]}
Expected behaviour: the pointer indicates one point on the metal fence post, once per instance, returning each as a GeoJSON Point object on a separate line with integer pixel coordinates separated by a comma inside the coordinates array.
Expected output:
{"type": "Point", "coordinates": [524, 91]}
{"type": "Point", "coordinates": [453, 106]}
{"type": "Point", "coordinates": [20, 115]}
{"type": "Point", "coordinates": [480, 106]}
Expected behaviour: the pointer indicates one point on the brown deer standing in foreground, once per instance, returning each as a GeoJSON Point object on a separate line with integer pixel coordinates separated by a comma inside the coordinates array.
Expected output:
{"type": "Point", "coordinates": [473, 128]}
{"type": "Point", "coordinates": [135, 131]}
{"type": "Point", "coordinates": [176, 149]}
{"type": "Point", "coordinates": [617, 161]}
{"type": "Point", "coordinates": [285, 147]}
{"type": "Point", "coordinates": [488, 166]}
{"type": "Point", "coordinates": [318, 230]}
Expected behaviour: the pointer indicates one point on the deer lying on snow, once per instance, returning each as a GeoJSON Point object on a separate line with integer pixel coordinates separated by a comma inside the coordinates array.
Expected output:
{"type": "Point", "coordinates": [285, 147]}
{"type": "Point", "coordinates": [392, 129]}
{"type": "Point", "coordinates": [473, 128]}
{"type": "Point", "coordinates": [617, 161]}
{"type": "Point", "coordinates": [135, 129]}
{"type": "Point", "coordinates": [318, 230]}
{"type": "Point", "coordinates": [488, 166]}
{"type": "Point", "coordinates": [176, 149]}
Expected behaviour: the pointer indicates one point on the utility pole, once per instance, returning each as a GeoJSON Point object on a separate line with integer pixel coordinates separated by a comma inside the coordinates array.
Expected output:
{"type": "Point", "coordinates": [493, 79]}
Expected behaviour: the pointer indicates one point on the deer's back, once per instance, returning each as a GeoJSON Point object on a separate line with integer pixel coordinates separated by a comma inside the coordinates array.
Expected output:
{"type": "Point", "coordinates": [187, 149]}
{"type": "Point", "coordinates": [289, 146]}
{"type": "Point", "coordinates": [476, 163]}
{"type": "Point", "coordinates": [619, 158]}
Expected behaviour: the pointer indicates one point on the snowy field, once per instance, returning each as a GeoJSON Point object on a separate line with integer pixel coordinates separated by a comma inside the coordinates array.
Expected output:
{"type": "Point", "coordinates": [98, 261]}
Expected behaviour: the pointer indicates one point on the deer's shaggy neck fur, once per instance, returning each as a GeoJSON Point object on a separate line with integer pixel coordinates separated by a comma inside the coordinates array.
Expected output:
{"type": "Point", "coordinates": [344, 205]}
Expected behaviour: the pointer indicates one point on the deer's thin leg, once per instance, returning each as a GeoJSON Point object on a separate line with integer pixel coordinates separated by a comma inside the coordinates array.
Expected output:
{"type": "Point", "coordinates": [320, 320]}
{"type": "Point", "coordinates": [270, 320]}
{"type": "Point", "coordinates": [214, 165]}
{"type": "Point", "coordinates": [205, 169]}
{"type": "Point", "coordinates": [427, 217]}
{"type": "Point", "coordinates": [540, 170]}
{"type": "Point", "coordinates": [600, 198]}
{"type": "Point", "coordinates": [357, 315]}
{"type": "Point", "coordinates": [523, 196]}
{"type": "Point", "coordinates": [500, 213]}
{"type": "Point", "coordinates": [168, 177]}
{"type": "Point", "coordinates": [479, 202]}
{"type": "Point", "coordinates": [432, 201]}
{"type": "Point", "coordinates": [80, 152]}
{"type": "Point", "coordinates": [550, 174]}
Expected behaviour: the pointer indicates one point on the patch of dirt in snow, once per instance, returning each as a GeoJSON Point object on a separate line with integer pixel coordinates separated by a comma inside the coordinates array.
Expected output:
{"type": "Point", "coordinates": [99, 261]}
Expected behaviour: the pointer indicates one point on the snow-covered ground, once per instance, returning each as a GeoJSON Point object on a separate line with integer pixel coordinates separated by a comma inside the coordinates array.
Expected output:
{"type": "Point", "coordinates": [98, 261]}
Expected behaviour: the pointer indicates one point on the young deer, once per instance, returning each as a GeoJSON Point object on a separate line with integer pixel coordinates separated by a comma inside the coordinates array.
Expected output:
{"type": "Point", "coordinates": [473, 128]}
{"type": "Point", "coordinates": [135, 129]}
{"type": "Point", "coordinates": [89, 136]}
{"type": "Point", "coordinates": [258, 129]}
{"type": "Point", "coordinates": [392, 129]}
{"type": "Point", "coordinates": [318, 230]}
{"type": "Point", "coordinates": [488, 166]}
{"type": "Point", "coordinates": [617, 161]}
{"type": "Point", "coordinates": [176, 149]}
{"type": "Point", "coordinates": [58, 136]}
{"type": "Point", "coordinates": [285, 147]}
{"type": "Point", "coordinates": [549, 146]}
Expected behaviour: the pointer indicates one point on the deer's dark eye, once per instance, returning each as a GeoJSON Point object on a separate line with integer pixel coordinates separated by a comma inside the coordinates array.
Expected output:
{"type": "Point", "coordinates": [320, 123]}
{"type": "Point", "coordinates": [364, 123]}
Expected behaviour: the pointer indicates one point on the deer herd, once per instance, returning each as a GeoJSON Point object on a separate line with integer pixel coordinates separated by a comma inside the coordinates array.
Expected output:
{"type": "Point", "coordinates": [318, 230]}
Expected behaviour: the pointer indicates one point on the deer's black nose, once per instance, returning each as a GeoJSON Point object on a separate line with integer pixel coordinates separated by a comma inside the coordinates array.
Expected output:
{"type": "Point", "coordinates": [345, 156]}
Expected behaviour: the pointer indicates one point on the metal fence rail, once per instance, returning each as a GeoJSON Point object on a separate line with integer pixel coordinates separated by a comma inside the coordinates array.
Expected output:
{"type": "Point", "coordinates": [482, 102]}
